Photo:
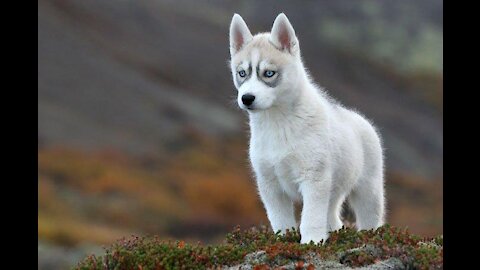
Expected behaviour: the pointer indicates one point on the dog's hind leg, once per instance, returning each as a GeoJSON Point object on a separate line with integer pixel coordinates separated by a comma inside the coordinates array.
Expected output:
{"type": "Point", "coordinates": [367, 201]}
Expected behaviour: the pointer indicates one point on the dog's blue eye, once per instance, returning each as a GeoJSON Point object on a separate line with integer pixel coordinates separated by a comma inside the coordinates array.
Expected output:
{"type": "Point", "coordinates": [242, 73]}
{"type": "Point", "coordinates": [269, 73]}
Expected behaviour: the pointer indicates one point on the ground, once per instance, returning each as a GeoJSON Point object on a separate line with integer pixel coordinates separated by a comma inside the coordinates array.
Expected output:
{"type": "Point", "coordinates": [387, 247]}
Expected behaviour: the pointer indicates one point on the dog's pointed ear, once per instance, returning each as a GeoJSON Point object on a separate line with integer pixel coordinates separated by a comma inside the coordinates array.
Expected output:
{"type": "Point", "coordinates": [282, 35]}
{"type": "Point", "coordinates": [239, 34]}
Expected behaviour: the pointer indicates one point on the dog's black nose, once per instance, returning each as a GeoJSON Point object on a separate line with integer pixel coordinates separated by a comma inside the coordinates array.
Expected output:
{"type": "Point", "coordinates": [248, 99]}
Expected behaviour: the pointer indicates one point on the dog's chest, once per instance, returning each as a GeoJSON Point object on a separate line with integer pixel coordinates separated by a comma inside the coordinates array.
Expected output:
{"type": "Point", "coordinates": [281, 158]}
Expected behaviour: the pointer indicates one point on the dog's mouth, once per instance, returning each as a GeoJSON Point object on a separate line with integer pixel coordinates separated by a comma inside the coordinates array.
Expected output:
{"type": "Point", "coordinates": [247, 108]}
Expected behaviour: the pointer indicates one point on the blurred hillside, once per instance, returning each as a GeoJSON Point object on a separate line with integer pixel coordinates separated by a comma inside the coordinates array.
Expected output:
{"type": "Point", "coordinates": [134, 74]}
{"type": "Point", "coordinates": [139, 131]}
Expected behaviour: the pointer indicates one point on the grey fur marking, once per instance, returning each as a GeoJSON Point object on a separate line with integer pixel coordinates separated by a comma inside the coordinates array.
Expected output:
{"type": "Point", "coordinates": [249, 75]}
{"type": "Point", "coordinates": [274, 83]}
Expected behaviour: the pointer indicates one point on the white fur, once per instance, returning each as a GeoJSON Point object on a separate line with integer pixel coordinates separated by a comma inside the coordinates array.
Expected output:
{"type": "Point", "coordinates": [304, 146]}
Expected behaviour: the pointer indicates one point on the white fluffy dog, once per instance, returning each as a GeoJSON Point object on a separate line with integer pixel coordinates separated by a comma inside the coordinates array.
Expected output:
{"type": "Point", "coordinates": [304, 146]}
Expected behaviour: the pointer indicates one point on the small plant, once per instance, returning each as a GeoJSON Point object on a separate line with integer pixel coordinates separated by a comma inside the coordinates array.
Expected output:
{"type": "Point", "coordinates": [345, 246]}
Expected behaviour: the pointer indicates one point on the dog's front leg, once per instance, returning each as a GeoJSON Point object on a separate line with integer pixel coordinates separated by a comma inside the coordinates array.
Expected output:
{"type": "Point", "coordinates": [315, 191]}
{"type": "Point", "coordinates": [279, 207]}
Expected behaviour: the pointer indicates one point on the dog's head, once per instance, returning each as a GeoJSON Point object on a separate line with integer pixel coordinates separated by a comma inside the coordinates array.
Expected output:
{"type": "Point", "coordinates": [265, 67]}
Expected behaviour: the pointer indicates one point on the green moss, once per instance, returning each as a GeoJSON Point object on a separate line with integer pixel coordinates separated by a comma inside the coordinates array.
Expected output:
{"type": "Point", "coordinates": [346, 246]}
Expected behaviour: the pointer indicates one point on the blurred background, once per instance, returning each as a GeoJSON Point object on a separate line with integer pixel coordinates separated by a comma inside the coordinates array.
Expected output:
{"type": "Point", "coordinates": [139, 132]}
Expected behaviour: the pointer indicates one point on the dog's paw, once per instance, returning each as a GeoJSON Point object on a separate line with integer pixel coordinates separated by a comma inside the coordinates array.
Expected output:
{"type": "Point", "coordinates": [315, 237]}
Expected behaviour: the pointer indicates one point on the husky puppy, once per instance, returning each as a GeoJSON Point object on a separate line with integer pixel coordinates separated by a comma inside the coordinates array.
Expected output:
{"type": "Point", "coordinates": [304, 146]}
